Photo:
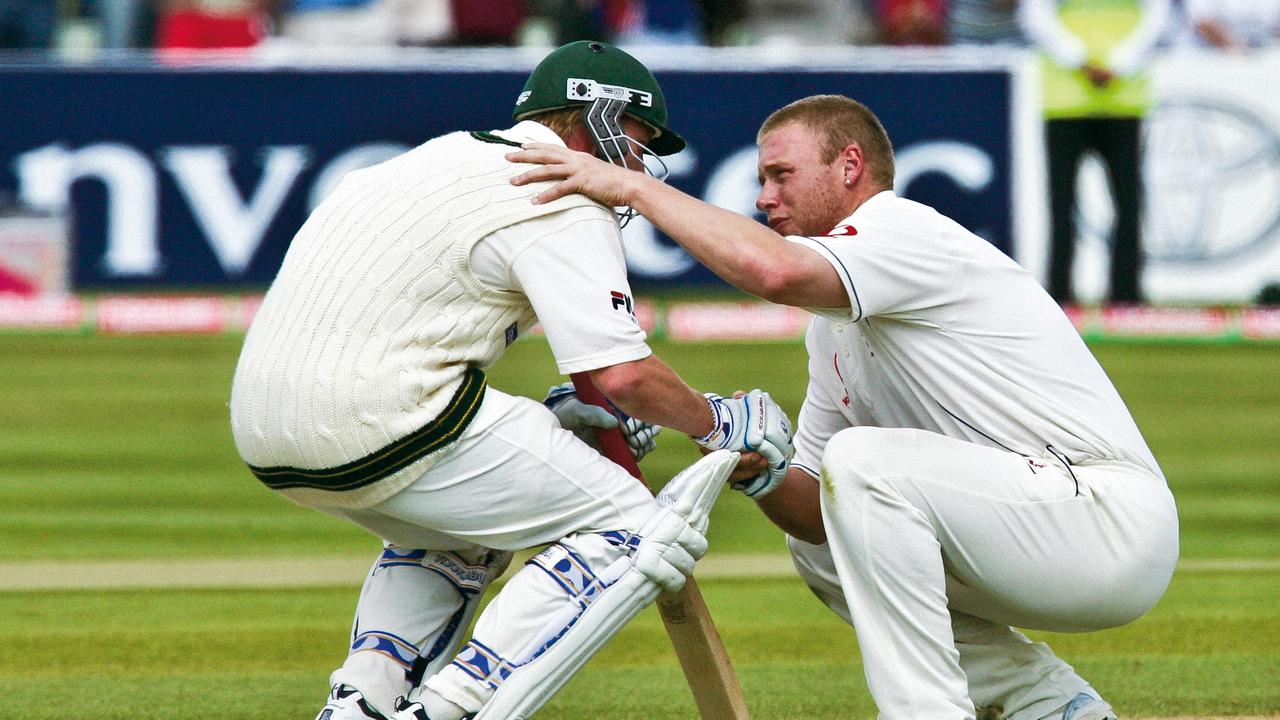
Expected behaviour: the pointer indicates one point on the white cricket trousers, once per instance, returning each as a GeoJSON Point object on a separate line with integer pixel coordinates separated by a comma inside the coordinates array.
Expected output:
{"type": "Point", "coordinates": [514, 480]}
{"type": "Point", "coordinates": [936, 546]}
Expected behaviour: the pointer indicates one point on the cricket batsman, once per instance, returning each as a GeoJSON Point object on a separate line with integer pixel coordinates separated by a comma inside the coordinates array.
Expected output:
{"type": "Point", "coordinates": [361, 392]}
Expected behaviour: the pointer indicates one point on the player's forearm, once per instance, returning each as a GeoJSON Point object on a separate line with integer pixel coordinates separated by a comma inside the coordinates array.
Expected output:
{"type": "Point", "coordinates": [650, 390]}
{"type": "Point", "coordinates": [795, 507]}
{"type": "Point", "coordinates": [746, 254]}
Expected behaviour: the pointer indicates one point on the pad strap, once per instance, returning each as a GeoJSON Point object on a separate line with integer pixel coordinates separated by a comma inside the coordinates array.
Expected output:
{"type": "Point", "coordinates": [401, 651]}
{"type": "Point", "coordinates": [483, 664]}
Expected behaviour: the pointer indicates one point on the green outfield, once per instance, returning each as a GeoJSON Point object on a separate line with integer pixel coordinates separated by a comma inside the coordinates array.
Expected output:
{"type": "Point", "coordinates": [116, 449]}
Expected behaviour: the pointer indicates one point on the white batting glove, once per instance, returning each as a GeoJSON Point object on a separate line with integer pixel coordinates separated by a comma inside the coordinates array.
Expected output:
{"type": "Point", "coordinates": [752, 423]}
{"type": "Point", "coordinates": [582, 419]}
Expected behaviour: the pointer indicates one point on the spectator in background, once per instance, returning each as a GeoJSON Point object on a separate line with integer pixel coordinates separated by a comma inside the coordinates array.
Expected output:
{"type": "Point", "coordinates": [983, 22]}
{"type": "Point", "coordinates": [341, 23]}
{"type": "Point", "coordinates": [27, 24]}
{"type": "Point", "coordinates": [566, 20]}
{"type": "Point", "coordinates": [1234, 24]}
{"type": "Point", "coordinates": [722, 21]}
{"type": "Point", "coordinates": [486, 22]}
{"type": "Point", "coordinates": [630, 22]}
{"type": "Point", "coordinates": [912, 22]}
{"type": "Point", "coordinates": [655, 22]}
{"type": "Point", "coordinates": [128, 23]}
{"type": "Point", "coordinates": [1095, 96]}
{"type": "Point", "coordinates": [810, 22]}
{"type": "Point", "coordinates": [211, 24]}
{"type": "Point", "coordinates": [390, 23]}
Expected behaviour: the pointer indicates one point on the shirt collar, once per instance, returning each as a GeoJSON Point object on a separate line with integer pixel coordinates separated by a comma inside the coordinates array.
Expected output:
{"type": "Point", "coordinates": [527, 131]}
{"type": "Point", "coordinates": [881, 198]}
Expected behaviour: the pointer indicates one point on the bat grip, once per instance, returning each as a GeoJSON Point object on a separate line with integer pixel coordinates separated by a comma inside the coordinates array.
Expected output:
{"type": "Point", "coordinates": [612, 443]}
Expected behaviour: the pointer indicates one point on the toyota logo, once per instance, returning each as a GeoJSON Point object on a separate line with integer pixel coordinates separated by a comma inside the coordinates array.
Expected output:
{"type": "Point", "coordinates": [1212, 178]}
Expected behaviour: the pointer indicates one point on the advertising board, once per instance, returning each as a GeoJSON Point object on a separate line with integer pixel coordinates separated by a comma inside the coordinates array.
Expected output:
{"type": "Point", "coordinates": [198, 176]}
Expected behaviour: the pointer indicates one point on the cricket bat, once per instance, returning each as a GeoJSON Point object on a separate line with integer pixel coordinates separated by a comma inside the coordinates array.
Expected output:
{"type": "Point", "coordinates": [688, 621]}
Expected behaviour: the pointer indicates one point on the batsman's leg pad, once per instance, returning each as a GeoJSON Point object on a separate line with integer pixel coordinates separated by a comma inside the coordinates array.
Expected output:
{"type": "Point", "coordinates": [602, 603]}
{"type": "Point", "coordinates": [545, 672]}
{"type": "Point", "coordinates": [412, 612]}
{"type": "Point", "coordinates": [377, 673]}
{"type": "Point", "coordinates": [470, 581]}
{"type": "Point", "coordinates": [535, 609]}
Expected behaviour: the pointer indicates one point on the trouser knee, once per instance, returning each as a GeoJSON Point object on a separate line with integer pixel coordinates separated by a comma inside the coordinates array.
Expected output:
{"type": "Point", "coordinates": [857, 456]}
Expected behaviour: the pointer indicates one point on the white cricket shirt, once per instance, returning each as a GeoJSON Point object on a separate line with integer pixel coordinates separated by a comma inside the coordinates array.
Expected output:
{"type": "Point", "coordinates": [945, 333]}
{"type": "Point", "coordinates": [571, 267]}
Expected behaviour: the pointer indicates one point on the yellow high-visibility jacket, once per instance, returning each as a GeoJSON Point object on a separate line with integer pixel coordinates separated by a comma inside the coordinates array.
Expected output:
{"type": "Point", "coordinates": [1119, 35]}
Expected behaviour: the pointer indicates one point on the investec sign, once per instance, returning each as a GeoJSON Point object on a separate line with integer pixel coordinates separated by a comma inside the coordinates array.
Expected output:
{"type": "Point", "coordinates": [234, 226]}
{"type": "Point", "coordinates": [198, 175]}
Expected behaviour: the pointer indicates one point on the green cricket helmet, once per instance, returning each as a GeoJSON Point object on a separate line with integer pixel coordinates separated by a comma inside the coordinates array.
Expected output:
{"type": "Point", "coordinates": [607, 82]}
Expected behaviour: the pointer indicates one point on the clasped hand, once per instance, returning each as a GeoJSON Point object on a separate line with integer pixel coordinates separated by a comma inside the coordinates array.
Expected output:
{"type": "Point", "coordinates": [583, 420]}
{"type": "Point", "coordinates": [752, 423]}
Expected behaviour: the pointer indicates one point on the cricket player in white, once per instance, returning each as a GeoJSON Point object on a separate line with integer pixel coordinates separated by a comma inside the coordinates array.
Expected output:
{"type": "Point", "coordinates": [360, 392]}
{"type": "Point", "coordinates": [963, 465]}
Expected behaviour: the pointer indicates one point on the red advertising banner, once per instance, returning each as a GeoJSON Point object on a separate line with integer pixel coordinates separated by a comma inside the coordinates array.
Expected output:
{"type": "Point", "coordinates": [162, 314]}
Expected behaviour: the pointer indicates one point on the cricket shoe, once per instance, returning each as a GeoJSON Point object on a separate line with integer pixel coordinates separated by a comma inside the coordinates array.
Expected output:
{"type": "Point", "coordinates": [1087, 707]}
{"type": "Point", "coordinates": [406, 710]}
{"type": "Point", "coordinates": [346, 703]}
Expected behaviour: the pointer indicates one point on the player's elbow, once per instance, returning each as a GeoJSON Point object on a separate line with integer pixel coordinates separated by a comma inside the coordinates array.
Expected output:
{"type": "Point", "coordinates": [621, 383]}
{"type": "Point", "coordinates": [779, 283]}
{"type": "Point", "coordinates": [799, 277]}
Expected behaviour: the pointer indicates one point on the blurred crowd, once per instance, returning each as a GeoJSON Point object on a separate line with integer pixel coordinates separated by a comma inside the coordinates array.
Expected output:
{"type": "Point", "coordinates": [86, 26]}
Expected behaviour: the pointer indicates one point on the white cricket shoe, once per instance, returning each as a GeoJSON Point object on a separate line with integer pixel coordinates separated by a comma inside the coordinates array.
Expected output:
{"type": "Point", "coordinates": [1087, 707]}
{"type": "Point", "coordinates": [406, 710]}
{"type": "Point", "coordinates": [346, 703]}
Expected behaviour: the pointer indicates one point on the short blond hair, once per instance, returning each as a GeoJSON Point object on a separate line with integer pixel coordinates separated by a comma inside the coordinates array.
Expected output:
{"type": "Point", "coordinates": [839, 122]}
{"type": "Point", "coordinates": [560, 121]}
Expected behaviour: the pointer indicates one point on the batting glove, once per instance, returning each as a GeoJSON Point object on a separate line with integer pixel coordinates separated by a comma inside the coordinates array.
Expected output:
{"type": "Point", "coordinates": [582, 419]}
{"type": "Point", "coordinates": [752, 423]}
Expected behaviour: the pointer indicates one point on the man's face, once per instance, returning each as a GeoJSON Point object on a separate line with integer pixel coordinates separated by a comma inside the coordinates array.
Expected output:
{"type": "Point", "coordinates": [580, 139]}
{"type": "Point", "coordinates": [640, 133]}
{"type": "Point", "coordinates": [800, 194]}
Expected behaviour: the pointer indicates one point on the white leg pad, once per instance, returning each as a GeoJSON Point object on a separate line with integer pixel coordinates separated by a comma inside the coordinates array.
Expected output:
{"type": "Point", "coordinates": [374, 673]}
{"type": "Point", "coordinates": [532, 685]}
{"type": "Point", "coordinates": [629, 584]}
{"type": "Point", "coordinates": [413, 613]}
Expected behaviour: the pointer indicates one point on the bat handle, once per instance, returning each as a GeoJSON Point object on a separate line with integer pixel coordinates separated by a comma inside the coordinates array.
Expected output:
{"type": "Point", "coordinates": [612, 443]}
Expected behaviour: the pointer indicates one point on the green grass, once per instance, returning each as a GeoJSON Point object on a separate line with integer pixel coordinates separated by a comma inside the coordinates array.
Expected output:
{"type": "Point", "coordinates": [118, 448]}
{"type": "Point", "coordinates": [1211, 647]}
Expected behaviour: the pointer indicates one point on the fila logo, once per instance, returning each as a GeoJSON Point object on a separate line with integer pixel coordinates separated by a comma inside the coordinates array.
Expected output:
{"type": "Point", "coordinates": [622, 300]}
{"type": "Point", "coordinates": [843, 230]}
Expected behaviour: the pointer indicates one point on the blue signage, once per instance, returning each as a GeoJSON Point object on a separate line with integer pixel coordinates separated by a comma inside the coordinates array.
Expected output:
{"type": "Point", "coordinates": [199, 176]}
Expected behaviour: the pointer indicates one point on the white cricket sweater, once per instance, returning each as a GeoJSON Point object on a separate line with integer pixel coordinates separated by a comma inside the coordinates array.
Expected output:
{"type": "Point", "coordinates": [363, 364]}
